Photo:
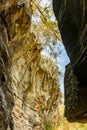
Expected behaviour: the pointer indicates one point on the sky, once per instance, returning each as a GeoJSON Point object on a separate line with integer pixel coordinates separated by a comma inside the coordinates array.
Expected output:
{"type": "Point", "coordinates": [62, 59]}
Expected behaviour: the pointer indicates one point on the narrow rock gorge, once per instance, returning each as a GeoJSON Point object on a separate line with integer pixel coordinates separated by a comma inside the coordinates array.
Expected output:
{"type": "Point", "coordinates": [29, 89]}
{"type": "Point", "coordinates": [72, 21]}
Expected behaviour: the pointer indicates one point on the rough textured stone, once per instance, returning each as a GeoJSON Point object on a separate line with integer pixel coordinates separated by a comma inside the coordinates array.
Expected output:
{"type": "Point", "coordinates": [29, 90]}
{"type": "Point", "coordinates": [36, 91]}
{"type": "Point", "coordinates": [72, 21]}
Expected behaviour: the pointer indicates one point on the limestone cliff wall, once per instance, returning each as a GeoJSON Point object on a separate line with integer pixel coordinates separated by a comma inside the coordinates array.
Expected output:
{"type": "Point", "coordinates": [72, 21]}
{"type": "Point", "coordinates": [36, 92]}
{"type": "Point", "coordinates": [29, 90]}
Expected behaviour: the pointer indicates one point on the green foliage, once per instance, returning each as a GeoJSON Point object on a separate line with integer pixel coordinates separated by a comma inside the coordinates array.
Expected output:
{"type": "Point", "coordinates": [44, 23]}
{"type": "Point", "coordinates": [49, 126]}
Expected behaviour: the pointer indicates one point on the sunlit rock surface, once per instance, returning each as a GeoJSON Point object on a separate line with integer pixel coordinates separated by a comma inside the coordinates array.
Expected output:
{"type": "Point", "coordinates": [36, 92]}
{"type": "Point", "coordinates": [72, 21]}
{"type": "Point", "coordinates": [29, 89]}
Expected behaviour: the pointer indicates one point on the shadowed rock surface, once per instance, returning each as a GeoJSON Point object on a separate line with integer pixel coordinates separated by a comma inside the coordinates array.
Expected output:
{"type": "Point", "coordinates": [72, 22]}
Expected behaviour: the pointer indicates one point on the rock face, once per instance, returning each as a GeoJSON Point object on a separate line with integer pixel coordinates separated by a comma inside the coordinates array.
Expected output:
{"type": "Point", "coordinates": [36, 92]}
{"type": "Point", "coordinates": [72, 21]}
{"type": "Point", "coordinates": [29, 90]}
